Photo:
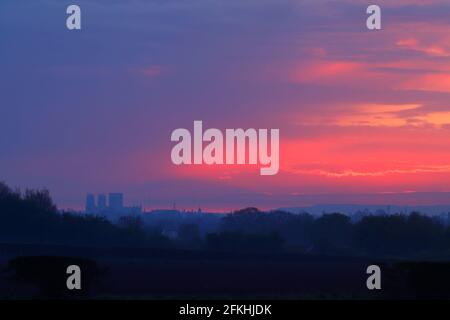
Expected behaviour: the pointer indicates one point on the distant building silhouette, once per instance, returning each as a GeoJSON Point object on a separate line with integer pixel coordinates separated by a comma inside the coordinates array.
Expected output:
{"type": "Point", "coordinates": [115, 205]}
{"type": "Point", "coordinates": [90, 203]}
{"type": "Point", "coordinates": [101, 202]}
{"type": "Point", "coordinates": [116, 201]}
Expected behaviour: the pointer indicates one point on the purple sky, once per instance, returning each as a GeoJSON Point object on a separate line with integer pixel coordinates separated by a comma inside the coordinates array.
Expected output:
{"type": "Point", "coordinates": [359, 112]}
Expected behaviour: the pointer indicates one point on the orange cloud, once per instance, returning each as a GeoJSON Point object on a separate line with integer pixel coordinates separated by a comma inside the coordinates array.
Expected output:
{"type": "Point", "coordinates": [436, 118]}
{"type": "Point", "coordinates": [320, 71]}
{"type": "Point", "coordinates": [386, 108]}
{"type": "Point", "coordinates": [428, 82]}
{"type": "Point", "coordinates": [380, 115]}
{"type": "Point", "coordinates": [433, 50]}
{"type": "Point", "coordinates": [423, 75]}
{"type": "Point", "coordinates": [351, 173]}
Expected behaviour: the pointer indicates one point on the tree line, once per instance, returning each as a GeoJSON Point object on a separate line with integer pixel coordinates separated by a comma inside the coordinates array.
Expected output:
{"type": "Point", "coordinates": [32, 217]}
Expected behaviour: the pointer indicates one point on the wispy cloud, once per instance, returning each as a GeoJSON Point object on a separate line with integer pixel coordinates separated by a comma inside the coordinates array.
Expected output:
{"type": "Point", "coordinates": [432, 50]}
{"type": "Point", "coordinates": [382, 173]}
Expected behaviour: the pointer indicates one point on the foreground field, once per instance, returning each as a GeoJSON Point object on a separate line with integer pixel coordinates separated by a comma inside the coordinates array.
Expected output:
{"type": "Point", "coordinates": [39, 272]}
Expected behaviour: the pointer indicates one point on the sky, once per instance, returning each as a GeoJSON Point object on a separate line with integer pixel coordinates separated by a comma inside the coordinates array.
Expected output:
{"type": "Point", "coordinates": [364, 116]}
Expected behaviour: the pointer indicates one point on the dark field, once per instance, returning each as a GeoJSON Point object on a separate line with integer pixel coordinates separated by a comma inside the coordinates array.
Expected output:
{"type": "Point", "coordinates": [158, 274]}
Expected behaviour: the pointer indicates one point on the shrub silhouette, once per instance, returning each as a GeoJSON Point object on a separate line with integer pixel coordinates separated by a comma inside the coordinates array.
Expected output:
{"type": "Point", "coordinates": [48, 274]}
{"type": "Point", "coordinates": [32, 217]}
